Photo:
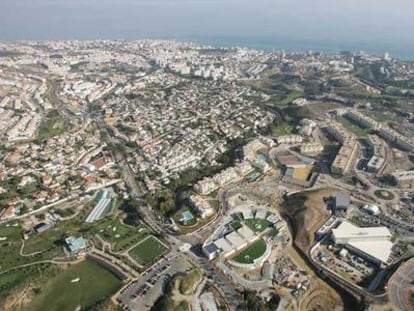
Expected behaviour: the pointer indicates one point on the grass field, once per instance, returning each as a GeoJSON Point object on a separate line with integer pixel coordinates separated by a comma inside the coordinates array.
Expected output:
{"type": "Point", "coordinates": [15, 278]}
{"type": "Point", "coordinates": [10, 232]}
{"type": "Point", "coordinates": [282, 129]}
{"type": "Point", "coordinates": [359, 131]}
{"type": "Point", "coordinates": [289, 98]}
{"type": "Point", "coordinates": [313, 110]}
{"type": "Point", "coordinates": [148, 251]}
{"type": "Point", "coordinates": [253, 252]}
{"type": "Point", "coordinates": [59, 293]}
{"type": "Point", "coordinates": [236, 225]}
{"type": "Point", "coordinates": [257, 225]}
{"type": "Point", "coordinates": [381, 117]}
{"type": "Point", "coordinates": [384, 194]}
{"type": "Point", "coordinates": [10, 247]}
{"type": "Point", "coordinates": [54, 124]}
{"type": "Point", "coordinates": [119, 235]}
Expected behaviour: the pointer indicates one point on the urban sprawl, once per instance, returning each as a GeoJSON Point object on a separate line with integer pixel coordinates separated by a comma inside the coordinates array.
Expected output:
{"type": "Point", "coordinates": [161, 175]}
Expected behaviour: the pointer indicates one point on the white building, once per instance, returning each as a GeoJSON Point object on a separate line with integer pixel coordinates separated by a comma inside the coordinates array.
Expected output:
{"type": "Point", "coordinates": [289, 139]}
{"type": "Point", "coordinates": [372, 242]}
{"type": "Point", "coordinates": [202, 206]}
{"type": "Point", "coordinates": [402, 176]}
{"type": "Point", "coordinates": [311, 149]}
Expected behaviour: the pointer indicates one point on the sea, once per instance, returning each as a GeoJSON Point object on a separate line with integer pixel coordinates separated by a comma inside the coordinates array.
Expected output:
{"type": "Point", "coordinates": [404, 51]}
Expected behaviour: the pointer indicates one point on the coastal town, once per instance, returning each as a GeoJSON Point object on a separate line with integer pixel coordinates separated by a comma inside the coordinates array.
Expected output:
{"type": "Point", "coordinates": [181, 176]}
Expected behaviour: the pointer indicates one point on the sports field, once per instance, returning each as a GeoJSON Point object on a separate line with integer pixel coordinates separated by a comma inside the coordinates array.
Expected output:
{"type": "Point", "coordinates": [147, 251]}
{"type": "Point", "coordinates": [60, 293]}
{"type": "Point", "coordinates": [253, 252]}
{"type": "Point", "coordinates": [118, 234]}
{"type": "Point", "coordinates": [257, 225]}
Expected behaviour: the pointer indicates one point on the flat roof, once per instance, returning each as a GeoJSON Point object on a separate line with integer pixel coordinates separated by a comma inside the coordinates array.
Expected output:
{"type": "Point", "coordinates": [380, 250]}
{"type": "Point", "coordinates": [235, 240]}
{"type": "Point", "coordinates": [261, 214]}
{"type": "Point", "coordinates": [246, 233]}
{"type": "Point", "coordinates": [247, 214]}
{"type": "Point", "coordinates": [210, 248]}
{"type": "Point", "coordinates": [346, 230]}
{"type": "Point", "coordinates": [342, 199]}
{"type": "Point", "coordinates": [224, 245]}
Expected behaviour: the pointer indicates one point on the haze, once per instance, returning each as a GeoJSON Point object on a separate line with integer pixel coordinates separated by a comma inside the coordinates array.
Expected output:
{"type": "Point", "coordinates": [368, 22]}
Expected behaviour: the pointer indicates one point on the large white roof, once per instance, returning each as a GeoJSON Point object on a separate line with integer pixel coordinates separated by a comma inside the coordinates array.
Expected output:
{"type": "Point", "coordinates": [246, 233]}
{"type": "Point", "coordinates": [373, 241]}
{"type": "Point", "coordinates": [346, 230]}
{"type": "Point", "coordinates": [377, 249]}
{"type": "Point", "coordinates": [235, 240]}
{"type": "Point", "coordinates": [224, 245]}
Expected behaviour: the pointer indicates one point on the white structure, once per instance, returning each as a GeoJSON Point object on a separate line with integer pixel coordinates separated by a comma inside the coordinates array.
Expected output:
{"type": "Point", "coordinates": [312, 148]}
{"type": "Point", "coordinates": [205, 186]}
{"type": "Point", "coordinates": [375, 163]}
{"type": "Point", "coordinates": [372, 209]}
{"type": "Point", "coordinates": [402, 176]}
{"type": "Point", "coordinates": [202, 206]}
{"type": "Point", "coordinates": [247, 214]}
{"type": "Point", "coordinates": [289, 139]}
{"type": "Point", "coordinates": [372, 242]}
{"type": "Point", "coordinates": [261, 214]}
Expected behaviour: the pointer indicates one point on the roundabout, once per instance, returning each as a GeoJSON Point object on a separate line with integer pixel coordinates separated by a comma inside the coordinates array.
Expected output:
{"type": "Point", "coordinates": [384, 194]}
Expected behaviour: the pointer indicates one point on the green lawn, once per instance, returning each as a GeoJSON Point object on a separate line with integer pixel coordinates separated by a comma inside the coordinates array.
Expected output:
{"type": "Point", "coordinates": [53, 124]}
{"type": "Point", "coordinates": [60, 294]}
{"type": "Point", "coordinates": [359, 131]}
{"type": "Point", "coordinates": [384, 194]}
{"type": "Point", "coordinates": [282, 129]}
{"type": "Point", "coordinates": [148, 251]}
{"type": "Point", "coordinates": [119, 235]}
{"type": "Point", "coordinates": [16, 278]}
{"type": "Point", "coordinates": [310, 111]}
{"type": "Point", "coordinates": [10, 232]}
{"type": "Point", "coordinates": [381, 117]}
{"type": "Point", "coordinates": [236, 225]}
{"type": "Point", "coordinates": [253, 252]}
{"type": "Point", "coordinates": [257, 225]}
{"type": "Point", "coordinates": [10, 248]}
{"type": "Point", "coordinates": [289, 98]}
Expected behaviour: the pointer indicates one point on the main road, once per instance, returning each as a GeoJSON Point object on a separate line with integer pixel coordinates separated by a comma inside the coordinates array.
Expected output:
{"type": "Point", "coordinates": [217, 277]}
{"type": "Point", "coordinates": [400, 286]}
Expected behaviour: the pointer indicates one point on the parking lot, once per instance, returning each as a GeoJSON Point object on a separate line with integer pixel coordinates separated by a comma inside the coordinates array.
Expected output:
{"type": "Point", "coordinates": [141, 294]}
{"type": "Point", "coordinates": [348, 265]}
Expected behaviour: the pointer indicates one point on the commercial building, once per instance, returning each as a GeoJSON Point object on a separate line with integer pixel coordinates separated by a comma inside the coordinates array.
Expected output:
{"type": "Point", "coordinates": [289, 139]}
{"type": "Point", "coordinates": [372, 243]}
{"type": "Point", "coordinates": [232, 242]}
{"type": "Point", "coordinates": [375, 164]}
{"type": "Point", "coordinates": [342, 202]}
{"type": "Point", "coordinates": [75, 245]}
{"type": "Point", "coordinates": [403, 176]}
{"type": "Point", "coordinates": [395, 138]}
{"type": "Point", "coordinates": [348, 153]}
{"type": "Point", "coordinates": [202, 206]}
{"type": "Point", "coordinates": [361, 119]}
{"type": "Point", "coordinates": [210, 251]}
{"type": "Point", "coordinates": [103, 207]}
{"type": "Point", "coordinates": [311, 148]}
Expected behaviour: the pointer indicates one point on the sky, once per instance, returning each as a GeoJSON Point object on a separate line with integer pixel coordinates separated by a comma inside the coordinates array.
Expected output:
{"type": "Point", "coordinates": [365, 22]}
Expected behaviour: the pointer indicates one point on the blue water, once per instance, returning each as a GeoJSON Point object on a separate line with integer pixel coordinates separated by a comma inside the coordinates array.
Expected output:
{"type": "Point", "coordinates": [405, 52]}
